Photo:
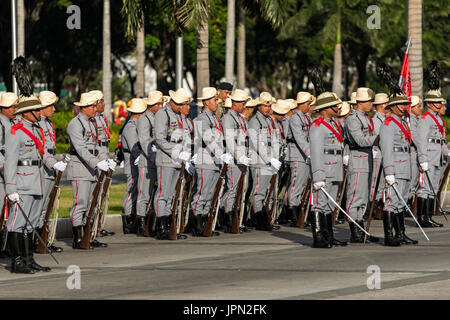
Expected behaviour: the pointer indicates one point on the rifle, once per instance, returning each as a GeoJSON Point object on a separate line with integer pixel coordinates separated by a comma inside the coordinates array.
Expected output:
{"type": "Point", "coordinates": [372, 205]}
{"type": "Point", "coordinates": [186, 192]}
{"type": "Point", "coordinates": [340, 196]}
{"type": "Point", "coordinates": [151, 219]}
{"type": "Point", "coordinates": [301, 213]}
{"type": "Point", "coordinates": [90, 220]}
{"type": "Point", "coordinates": [102, 213]}
{"type": "Point", "coordinates": [236, 216]}
{"type": "Point", "coordinates": [51, 200]}
{"type": "Point", "coordinates": [173, 226]}
{"type": "Point", "coordinates": [441, 186]}
{"type": "Point", "coordinates": [212, 212]}
{"type": "Point", "coordinates": [269, 212]}
{"type": "Point", "coordinates": [2, 220]}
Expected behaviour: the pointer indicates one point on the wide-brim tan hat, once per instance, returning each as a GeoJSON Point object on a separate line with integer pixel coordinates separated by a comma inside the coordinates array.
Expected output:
{"type": "Point", "coordinates": [303, 97]}
{"type": "Point", "coordinates": [381, 98]}
{"type": "Point", "coordinates": [353, 98]}
{"type": "Point", "coordinates": [250, 103]}
{"type": "Point", "coordinates": [97, 94]}
{"type": "Point", "coordinates": [345, 109]}
{"type": "Point", "coordinates": [281, 106]}
{"type": "Point", "coordinates": [293, 103]}
{"type": "Point", "coordinates": [265, 98]}
{"type": "Point", "coordinates": [47, 98]}
{"type": "Point", "coordinates": [239, 96]}
{"type": "Point", "coordinates": [28, 104]}
{"type": "Point", "coordinates": [181, 96]}
{"type": "Point", "coordinates": [433, 96]}
{"type": "Point", "coordinates": [326, 100]}
{"type": "Point", "coordinates": [86, 99]}
{"type": "Point", "coordinates": [314, 100]}
{"type": "Point", "coordinates": [364, 94]}
{"type": "Point", "coordinates": [8, 99]}
{"type": "Point", "coordinates": [397, 99]}
{"type": "Point", "coordinates": [415, 100]}
{"type": "Point", "coordinates": [154, 97]}
{"type": "Point", "coordinates": [137, 106]}
{"type": "Point", "coordinates": [227, 103]}
{"type": "Point", "coordinates": [208, 93]}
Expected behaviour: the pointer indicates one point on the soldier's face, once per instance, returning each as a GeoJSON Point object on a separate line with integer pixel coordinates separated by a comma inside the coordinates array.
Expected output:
{"type": "Point", "coordinates": [32, 116]}
{"type": "Point", "coordinates": [48, 112]}
{"type": "Point", "coordinates": [265, 109]}
{"type": "Point", "coordinates": [184, 109]}
{"type": "Point", "coordinates": [101, 106]}
{"type": "Point", "coordinates": [156, 107]}
{"type": "Point", "coordinates": [9, 112]}
{"type": "Point", "coordinates": [278, 116]}
{"type": "Point", "coordinates": [416, 110]}
{"type": "Point", "coordinates": [211, 104]}
{"type": "Point", "coordinates": [304, 107]}
{"type": "Point", "coordinates": [365, 106]}
{"type": "Point", "coordinates": [224, 94]}
{"type": "Point", "coordinates": [238, 106]}
{"type": "Point", "coordinates": [399, 109]}
{"type": "Point", "coordinates": [89, 111]}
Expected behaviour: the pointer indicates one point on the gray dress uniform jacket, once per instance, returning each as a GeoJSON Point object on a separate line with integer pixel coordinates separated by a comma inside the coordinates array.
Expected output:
{"type": "Point", "coordinates": [169, 134]}
{"type": "Point", "coordinates": [85, 154]}
{"type": "Point", "coordinates": [414, 122]}
{"type": "Point", "coordinates": [208, 134]}
{"type": "Point", "coordinates": [50, 148]}
{"type": "Point", "coordinates": [103, 135]}
{"type": "Point", "coordinates": [298, 137]}
{"type": "Point", "coordinates": [130, 144]}
{"type": "Point", "coordinates": [5, 127]}
{"type": "Point", "coordinates": [146, 135]}
{"type": "Point", "coordinates": [235, 135]}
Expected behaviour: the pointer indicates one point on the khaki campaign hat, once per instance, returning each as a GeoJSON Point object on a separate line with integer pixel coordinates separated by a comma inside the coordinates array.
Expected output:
{"type": "Point", "coordinates": [30, 103]}
{"type": "Point", "coordinates": [293, 103]}
{"type": "Point", "coordinates": [97, 94]}
{"type": "Point", "coordinates": [47, 98]}
{"type": "Point", "coordinates": [303, 97]}
{"type": "Point", "coordinates": [227, 103]}
{"type": "Point", "coordinates": [154, 97]}
{"type": "Point", "coordinates": [208, 93]}
{"type": "Point", "coordinates": [181, 96]}
{"type": "Point", "coordinates": [397, 99]}
{"type": "Point", "coordinates": [8, 99]}
{"type": "Point", "coordinates": [265, 98]}
{"type": "Point", "coordinates": [250, 103]}
{"type": "Point", "coordinates": [86, 99]}
{"type": "Point", "coordinates": [353, 98]}
{"type": "Point", "coordinates": [239, 95]}
{"type": "Point", "coordinates": [381, 98]}
{"type": "Point", "coordinates": [137, 106]}
{"type": "Point", "coordinates": [415, 100]}
{"type": "Point", "coordinates": [364, 94]}
{"type": "Point", "coordinates": [345, 108]}
{"type": "Point", "coordinates": [326, 100]}
{"type": "Point", "coordinates": [314, 100]}
{"type": "Point", "coordinates": [433, 96]}
{"type": "Point", "coordinates": [281, 106]}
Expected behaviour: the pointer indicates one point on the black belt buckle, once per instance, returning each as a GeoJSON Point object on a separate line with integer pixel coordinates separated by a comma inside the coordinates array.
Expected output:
{"type": "Point", "coordinates": [51, 151]}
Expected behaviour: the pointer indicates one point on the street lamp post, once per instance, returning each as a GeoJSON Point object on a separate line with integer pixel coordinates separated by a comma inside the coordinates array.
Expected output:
{"type": "Point", "coordinates": [14, 39]}
{"type": "Point", "coordinates": [179, 63]}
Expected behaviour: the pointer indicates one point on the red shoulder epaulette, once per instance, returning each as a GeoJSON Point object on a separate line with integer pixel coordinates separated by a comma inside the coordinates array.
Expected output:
{"type": "Point", "coordinates": [424, 115]}
{"type": "Point", "coordinates": [15, 127]}
{"type": "Point", "coordinates": [318, 121]}
{"type": "Point", "coordinates": [387, 120]}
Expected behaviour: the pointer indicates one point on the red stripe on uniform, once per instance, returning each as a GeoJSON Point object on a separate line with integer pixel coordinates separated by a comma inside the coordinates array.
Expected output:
{"type": "Point", "coordinates": [199, 192]}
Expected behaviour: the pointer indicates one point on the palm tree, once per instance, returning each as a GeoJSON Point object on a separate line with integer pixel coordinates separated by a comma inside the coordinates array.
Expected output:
{"type": "Point", "coordinates": [140, 65]}
{"type": "Point", "coordinates": [241, 48]}
{"type": "Point", "coordinates": [20, 28]}
{"type": "Point", "coordinates": [229, 42]}
{"type": "Point", "coordinates": [106, 79]}
{"type": "Point", "coordinates": [337, 63]}
{"type": "Point", "coordinates": [202, 58]}
{"type": "Point", "coordinates": [415, 51]}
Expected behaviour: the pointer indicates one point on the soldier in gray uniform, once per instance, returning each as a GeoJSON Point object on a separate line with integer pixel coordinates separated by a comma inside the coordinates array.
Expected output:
{"type": "Point", "coordinates": [326, 168]}
{"type": "Point", "coordinates": [431, 148]}
{"type": "Point", "coordinates": [359, 130]}
{"type": "Point", "coordinates": [86, 160]}
{"type": "Point", "coordinates": [414, 118]}
{"type": "Point", "coordinates": [264, 152]}
{"type": "Point", "coordinates": [234, 126]}
{"type": "Point", "coordinates": [211, 155]}
{"type": "Point", "coordinates": [169, 135]}
{"type": "Point", "coordinates": [395, 141]}
{"type": "Point", "coordinates": [51, 164]}
{"type": "Point", "coordinates": [23, 176]}
{"type": "Point", "coordinates": [132, 152]}
{"type": "Point", "coordinates": [146, 165]}
{"type": "Point", "coordinates": [298, 155]}
{"type": "Point", "coordinates": [380, 103]}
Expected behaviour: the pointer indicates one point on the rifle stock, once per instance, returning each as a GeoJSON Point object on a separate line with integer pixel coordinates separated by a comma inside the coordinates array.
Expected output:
{"type": "Point", "coordinates": [301, 213]}
{"type": "Point", "coordinates": [150, 216]}
{"type": "Point", "coordinates": [51, 200]}
{"type": "Point", "coordinates": [212, 212]}
{"type": "Point", "coordinates": [186, 190]}
{"type": "Point", "coordinates": [173, 225]}
{"type": "Point", "coordinates": [85, 241]}
{"type": "Point", "coordinates": [2, 220]}
{"type": "Point", "coordinates": [236, 219]}
{"type": "Point", "coordinates": [441, 186]}
{"type": "Point", "coordinates": [372, 205]}
{"type": "Point", "coordinates": [106, 186]}
{"type": "Point", "coordinates": [269, 211]}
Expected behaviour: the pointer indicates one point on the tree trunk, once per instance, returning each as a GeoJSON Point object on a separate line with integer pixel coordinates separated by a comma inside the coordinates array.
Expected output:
{"type": "Point", "coordinates": [20, 28]}
{"type": "Point", "coordinates": [229, 44]}
{"type": "Point", "coordinates": [337, 63]}
{"type": "Point", "coordinates": [140, 65]}
{"type": "Point", "coordinates": [202, 58]}
{"type": "Point", "coordinates": [241, 48]}
{"type": "Point", "coordinates": [106, 80]}
{"type": "Point", "coordinates": [415, 51]}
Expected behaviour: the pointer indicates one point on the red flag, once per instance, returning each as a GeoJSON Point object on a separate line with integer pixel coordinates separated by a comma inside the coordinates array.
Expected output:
{"type": "Point", "coordinates": [405, 79]}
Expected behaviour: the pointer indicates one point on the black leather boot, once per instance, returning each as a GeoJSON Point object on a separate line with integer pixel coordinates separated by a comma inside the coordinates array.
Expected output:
{"type": "Point", "coordinates": [422, 207]}
{"type": "Point", "coordinates": [294, 214]}
{"type": "Point", "coordinates": [77, 236]}
{"type": "Point", "coordinates": [317, 231]}
{"type": "Point", "coordinates": [432, 203]}
{"type": "Point", "coordinates": [356, 235]}
{"type": "Point", "coordinates": [97, 244]}
{"type": "Point", "coordinates": [54, 248]}
{"type": "Point", "coordinates": [221, 219]}
{"type": "Point", "coordinates": [400, 234]}
{"type": "Point", "coordinates": [328, 223]}
{"type": "Point", "coordinates": [18, 263]}
{"type": "Point", "coordinates": [389, 239]}
{"type": "Point", "coordinates": [126, 224]}
{"type": "Point", "coordinates": [31, 262]}
{"type": "Point", "coordinates": [105, 233]}
{"type": "Point", "coordinates": [140, 220]}
{"type": "Point", "coordinates": [197, 226]}
{"type": "Point", "coordinates": [285, 215]}
{"type": "Point", "coordinates": [161, 233]}
{"type": "Point", "coordinates": [228, 222]}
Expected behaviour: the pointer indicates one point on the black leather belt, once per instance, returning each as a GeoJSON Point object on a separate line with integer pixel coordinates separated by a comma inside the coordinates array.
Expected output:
{"type": "Point", "coordinates": [93, 152]}
{"type": "Point", "coordinates": [401, 149]}
{"type": "Point", "coordinates": [365, 149]}
{"type": "Point", "coordinates": [438, 141]}
{"type": "Point", "coordinates": [126, 150]}
{"type": "Point", "coordinates": [51, 151]}
{"type": "Point", "coordinates": [103, 143]}
{"type": "Point", "coordinates": [29, 163]}
{"type": "Point", "coordinates": [331, 151]}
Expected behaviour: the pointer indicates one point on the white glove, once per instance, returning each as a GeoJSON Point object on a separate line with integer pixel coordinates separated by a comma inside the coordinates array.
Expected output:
{"type": "Point", "coordinates": [14, 197]}
{"type": "Point", "coordinates": [448, 154]}
{"type": "Point", "coordinates": [308, 160]}
{"type": "Point", "coordinates": [185, 156]}
{"type": "Point", "coordinates": [345, 160]}
{"type": "Point", "coordinates": [226, 157]}
{"type": "Point", "coordinates": [103, 165]}
{"type": "Point", "coordinates": [244, 160]}
{"type": "Point", "coordinates": [122, 164]}
{"type": "Point", "coordinates": [275, 164]}
{"type": "Point", "coordinates": [424, 166]}
{"type": "Point", "coordinates": [136, 161]}
{"type": "Point", "coordinates": [112, 164]}
{"type": "Point", "coordinates": [390, 179]}
{"type": "Point", "coordinates": [318, 185]}
{"type": "Point", "coordinates": [154, 148]}
{"type": "Point", "coordinates": [60, 166]}
{"type": "Point", "coordinates": [190, 168]}
{"type": "Point", "coordinates": [194, 159]}
{"type": "Point", "coordinates": [374, 153]}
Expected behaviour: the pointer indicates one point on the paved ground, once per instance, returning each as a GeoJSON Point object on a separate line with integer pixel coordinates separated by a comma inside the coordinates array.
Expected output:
{"type": "Point", "coordinates": [256, 265]}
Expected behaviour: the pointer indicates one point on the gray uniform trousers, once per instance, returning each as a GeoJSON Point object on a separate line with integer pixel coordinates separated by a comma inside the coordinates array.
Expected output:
{"type": "Point", "coordinates": [32, 206]}
{"type": "Point", "coordinates": [392, 202]}
{"type": "Point", "coordinates": [2, 189]}
{"type": "Point", "coordinates": [357, 194]}
{"type": "Point", "coordinates": [377, 163]}
{"type": "Point", "coordinates": [130, 198]}
{"type": "Point", "coordinates": [299, 174]}
{"type": "Point", "coordinates": [167, 180]}
{"type": "Point", "coordinates": [233, 175]}
{"type": "Point", "coordinates": [82, 195]}
{"type": "Point", "coordinates": [414, 173]}
{"type": "Point", "coordinates": [261, 183]}
{"type": "Point", "coordinates": [206, 184]}
{"type": "Point", "coordinates": [320, 202]}
{"type": "Point", "coordinates": [425, 190]}
{"type": "Point", "coordinates": [145, 189]}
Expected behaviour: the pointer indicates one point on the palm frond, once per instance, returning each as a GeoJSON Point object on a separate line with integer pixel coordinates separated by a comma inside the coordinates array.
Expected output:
{"type": "Point", "coordinates": [22, 72]}
{"type": "Point", "coordinates": [433, 74]}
